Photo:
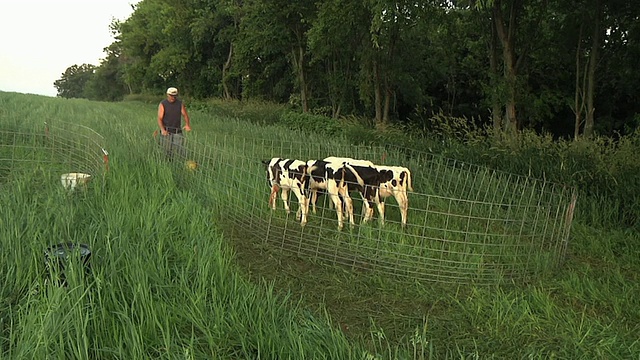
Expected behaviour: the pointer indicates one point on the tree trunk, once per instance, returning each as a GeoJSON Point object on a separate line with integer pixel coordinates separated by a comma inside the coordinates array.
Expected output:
{"type": "Point", "coordinates": [298, 59]}
{"type": "Point", "coordinates": [386, 101]}
{"type": "Point", "coordinates": [507, 39]}
{"type": "Point", "coordinates": [512, 120]}
{"type": "Point", "coordinates": [225, 71]}
{"type": "Point", "coordinates": [334, 91]}
{"type": "Point", "coordinates": [390, 55]}
{"type": "Point", "coordinates": [377, 92]}
{"type": "Point", "coordinates": [578, 106]}
{"type": "Point", "coordinates": [496, 107]}
{"type": "Point", "coordinates": [591, 76]}
{"type": "Point", "coordinates": [336, 111]}
{"type": "Point", "coordinates": [387, 104]}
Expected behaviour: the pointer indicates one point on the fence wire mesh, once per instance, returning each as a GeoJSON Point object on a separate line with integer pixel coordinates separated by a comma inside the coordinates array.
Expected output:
{"type": "Point", "coordinates": [54, 149]}
{"type": "Point", "coordinates": [466, 223]}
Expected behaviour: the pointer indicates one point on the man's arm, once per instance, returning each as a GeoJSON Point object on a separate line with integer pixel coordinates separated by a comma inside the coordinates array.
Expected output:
{"type": "Point", "coordinates": [187, 122]}
{"type": "Point", "coordinates": [163, 131]}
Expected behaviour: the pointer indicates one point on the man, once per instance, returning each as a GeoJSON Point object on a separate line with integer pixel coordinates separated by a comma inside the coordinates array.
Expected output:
{"type": "Point", "coordinates": [170, 113]}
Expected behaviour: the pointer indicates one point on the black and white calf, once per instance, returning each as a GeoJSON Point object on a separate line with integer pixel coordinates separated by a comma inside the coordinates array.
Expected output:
{"type": "Point", "coordinates": [316, 169]}
{"type": "Point", "coordinates": [351, 161]}
{"type": "Point", "coordinates": [362, 176]}
{"type": "Point", "coordinates": [331, 178]}
{"type": "Point", "coordinates": [397, 186]}
{"type": "Point", "coordinates": [377, 182]}
{"type": "Point", "coordinates": [288, 175]}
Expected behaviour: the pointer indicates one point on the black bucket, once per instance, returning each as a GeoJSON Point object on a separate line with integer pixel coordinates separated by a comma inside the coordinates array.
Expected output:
{"type": "Point", "coordinates": [58, 256]}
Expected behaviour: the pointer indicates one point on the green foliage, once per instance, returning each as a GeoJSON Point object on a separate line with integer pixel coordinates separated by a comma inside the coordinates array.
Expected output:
{"type": "Point", "coordinates": [604, 170]}
{"type": "Point", "coordinates": [431, 56]}
{"type": "Point", "coordinates": [103, 82]}
{"type": "Point", "coordinates": [145, 98]}
{"type": "Point", "coordinates": [449, 128]}
{"type": "Point", "coordinates": [169, 281]}
{"type": "Point", "coordinates": [608, 171]}
{"type": "Point", "coordinates": [140, 37]}
{"type": "Point", "coordinates": [254, 111]}
{"type": "Point", "coordinates": [271, 59]}
{"type": "Point", "coordinates": [107, 84]}
{"type": "Point", "coordinates": [311, 124]}
{"type": "Point", "coordinates": [74, 80]}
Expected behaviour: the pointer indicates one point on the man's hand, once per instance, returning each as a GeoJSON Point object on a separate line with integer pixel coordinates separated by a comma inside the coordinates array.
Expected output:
{"type": "Point", "coordinates": [164, 132]}
{"type": "Point", "coordinates": [187, 128]}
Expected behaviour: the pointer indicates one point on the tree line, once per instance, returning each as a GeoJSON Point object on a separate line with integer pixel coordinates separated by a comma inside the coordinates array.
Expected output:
{"type": "Point", "coordinates": [565, 67]}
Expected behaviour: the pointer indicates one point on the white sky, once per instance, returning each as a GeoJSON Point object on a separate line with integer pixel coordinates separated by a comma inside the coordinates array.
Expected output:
{"type": "Point", "coordinates": [42, 38]}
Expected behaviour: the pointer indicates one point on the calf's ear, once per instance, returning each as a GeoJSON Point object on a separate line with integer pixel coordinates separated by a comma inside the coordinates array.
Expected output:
{"type": "Point", "coordinates": [387, 176]}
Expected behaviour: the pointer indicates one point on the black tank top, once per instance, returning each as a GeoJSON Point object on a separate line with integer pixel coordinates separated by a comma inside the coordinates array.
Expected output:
{"type": "Point", "coordinates": [172, 116]}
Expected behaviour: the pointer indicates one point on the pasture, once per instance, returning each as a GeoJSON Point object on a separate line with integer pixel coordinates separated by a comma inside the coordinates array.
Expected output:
{"type": "Point", "coordinates": [180, 269]}
{"type": "Point", "coordinates": [466, 224]}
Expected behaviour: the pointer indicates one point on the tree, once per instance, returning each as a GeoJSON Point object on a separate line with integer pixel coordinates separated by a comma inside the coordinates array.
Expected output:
{"type": "Point", "coordinates": [603, 40]}
{"type": "Point", "coordinates": [73, 81]}
{"type": "Point", "coordinates": [336, 48]}
{"type": "Point", "coordinates": [141, 38]}
{"type": "Point", "coordinates": [231, 11]}
{"type": "Point", "coordinates": [591, 71]}
{"type": "Point", "coordinates": [527, 64]}
{"type": "Point", "coordinates": [107, 82]}
{"type": "Point", "coordinates": [615, 96]}
{"type": "Point", "coordinates": [506, 29]}
{"type": "Point", "coordinates": [398, 43]}
{"type": "Point", "coordinates": [507, 19]}
{"type": "Point", "coordinates": [277, 30]}
{"type": "Point", "coordinates": [386, 18]}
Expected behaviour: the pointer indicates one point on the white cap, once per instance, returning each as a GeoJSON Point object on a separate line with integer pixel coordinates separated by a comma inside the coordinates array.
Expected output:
{"type": "Point", "coordinates": [172, 91]}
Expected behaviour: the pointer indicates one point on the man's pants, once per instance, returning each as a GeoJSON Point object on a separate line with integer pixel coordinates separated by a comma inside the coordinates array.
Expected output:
{"type": "Point", "coordinates": [173, 146]}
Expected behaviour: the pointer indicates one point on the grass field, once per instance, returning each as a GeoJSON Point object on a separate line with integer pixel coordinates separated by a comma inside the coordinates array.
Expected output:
{"type": "Point", "coordinates": [172, 277]}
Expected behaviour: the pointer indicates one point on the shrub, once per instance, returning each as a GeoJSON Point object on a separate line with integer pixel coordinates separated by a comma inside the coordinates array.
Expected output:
{"type": "Point", "coordinates": [254, 111]}
{"type": "Point", "coordinates": [604, 170]}
{"type": "Point", "coordinates": [316, 124]}
{"type": "Point", "coordinates": [144, 98]}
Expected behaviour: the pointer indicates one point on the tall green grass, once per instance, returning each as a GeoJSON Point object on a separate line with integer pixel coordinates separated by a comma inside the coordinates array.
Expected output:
{"type": "Point", "coordinates": [162, 282]}
{"type": "Point", "coordinates": [170, 279]}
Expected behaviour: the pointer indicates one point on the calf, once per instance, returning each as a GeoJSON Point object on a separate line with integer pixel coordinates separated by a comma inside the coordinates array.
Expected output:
{"type": "Point", "coordinates": [365, 178]}
{"type": "Point", "coordinates": [379, 182]}
{"type": "Point", "coordinates": [316, 169]}
{"type": "Point", "coordinates": [351, 161]}
{"type": "Point", "coordinates": [332, 178]}
{"type": "Point", "coordinates": [399, 181]}
{"type": "Point", "coordinates": [285, 175]}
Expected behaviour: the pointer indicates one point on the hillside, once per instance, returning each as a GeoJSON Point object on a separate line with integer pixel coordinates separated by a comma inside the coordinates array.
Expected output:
{"type": "Point", "coordinates": [171, 276]}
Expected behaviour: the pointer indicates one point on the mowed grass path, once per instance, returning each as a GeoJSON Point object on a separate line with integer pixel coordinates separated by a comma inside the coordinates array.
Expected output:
{"type": "Point", "coordinates": [169, 280]}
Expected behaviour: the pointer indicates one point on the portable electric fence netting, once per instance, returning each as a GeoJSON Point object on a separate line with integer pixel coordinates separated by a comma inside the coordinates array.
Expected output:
{"type": "Point", "coordinates": [466, 223]}
{"type": "Point", "coordinates": [72, 154]}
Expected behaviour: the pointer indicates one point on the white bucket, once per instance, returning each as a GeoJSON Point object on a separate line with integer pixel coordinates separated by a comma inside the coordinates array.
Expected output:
{"type": "Point", "coordinates": [71, 180]}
